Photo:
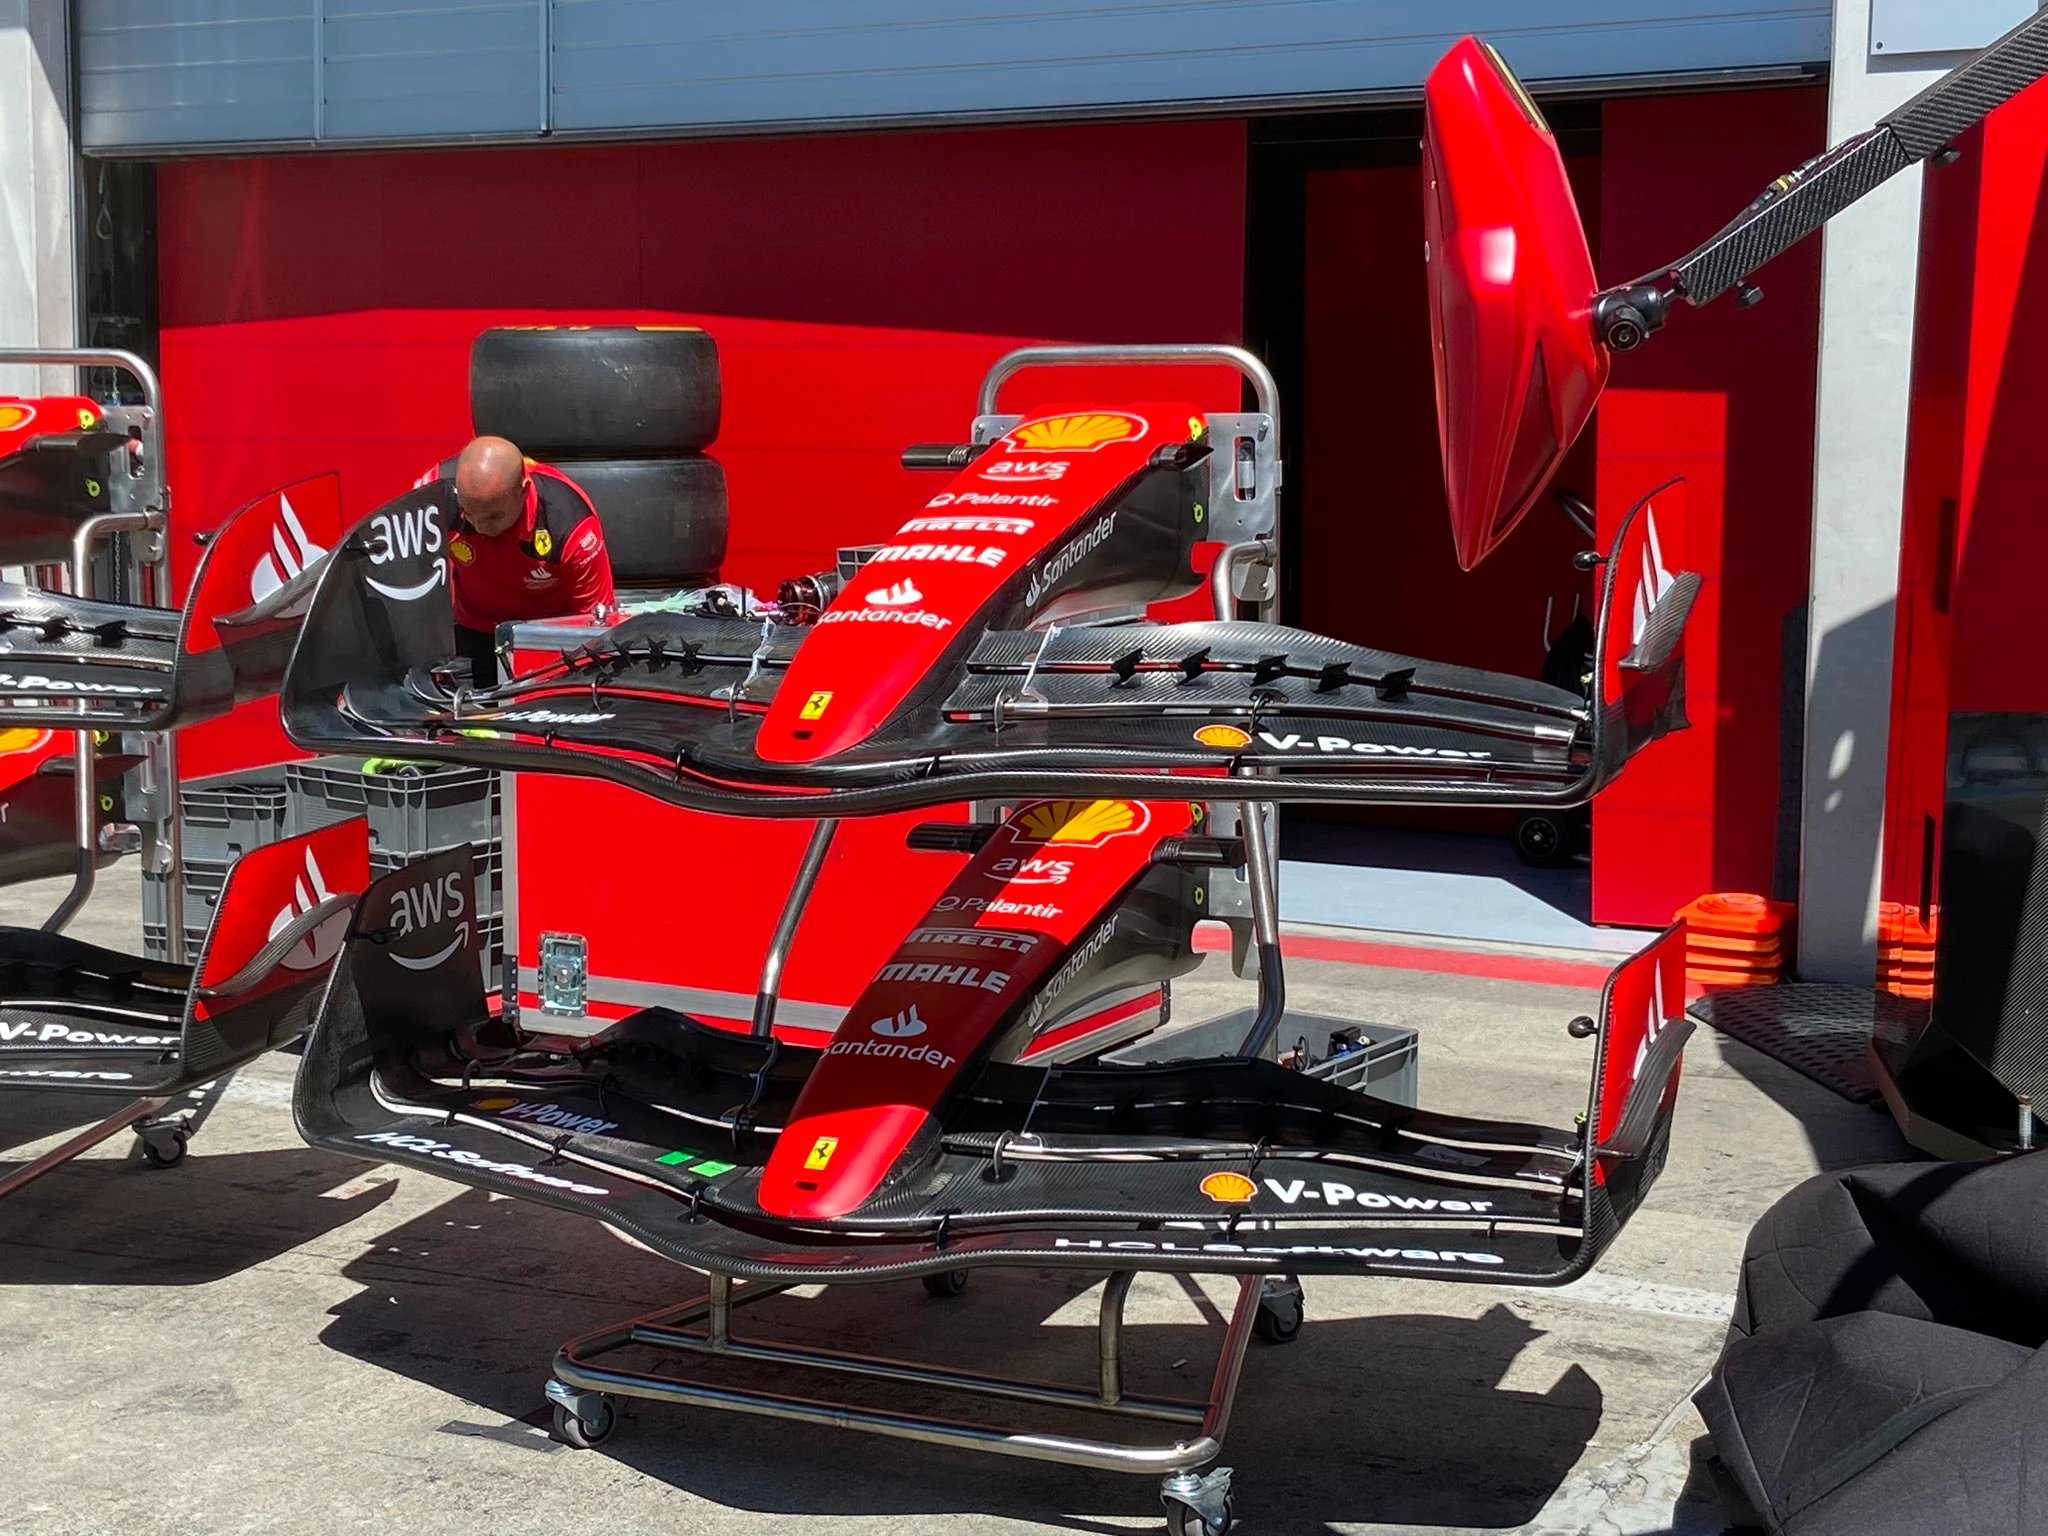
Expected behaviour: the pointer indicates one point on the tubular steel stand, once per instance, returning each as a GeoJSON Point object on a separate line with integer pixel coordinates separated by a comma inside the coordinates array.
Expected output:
{"type": "Point", "coordinates": [583, 1387]}
{"type": "Point", "coordinates": [163, 1136]}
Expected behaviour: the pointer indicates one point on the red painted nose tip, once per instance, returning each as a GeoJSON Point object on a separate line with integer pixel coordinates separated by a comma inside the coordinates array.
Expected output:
{"type": "Point", "coordinates": [827, 1165]}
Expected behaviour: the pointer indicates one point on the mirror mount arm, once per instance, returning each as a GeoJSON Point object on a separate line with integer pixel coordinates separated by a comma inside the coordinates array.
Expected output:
{"type": "Point", "coordinates": [1624, 317]}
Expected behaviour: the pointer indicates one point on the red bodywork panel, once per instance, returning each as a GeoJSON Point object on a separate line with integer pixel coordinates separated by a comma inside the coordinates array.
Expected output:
{"type": "Point", "coordinates": [268, 887]}
{"type": "Point", "coordinates": [883, 636]}
{"type": "Point", "coordinates": [1645, 996]}
{"type": "Point", "coordinates": [1510, 289]}
{"type": "Point", "coordinates": [919, 1029]}
{"type": "Point", "coordinates": [22, 419]}
{"type": "Point", "coordinates": [260, 548]}
{"type": "Point", "coordinates": [24, 749]}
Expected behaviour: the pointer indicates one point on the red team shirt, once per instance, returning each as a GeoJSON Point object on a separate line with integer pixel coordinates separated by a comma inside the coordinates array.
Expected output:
{"type": "Point", "coordinates": [552, 561]}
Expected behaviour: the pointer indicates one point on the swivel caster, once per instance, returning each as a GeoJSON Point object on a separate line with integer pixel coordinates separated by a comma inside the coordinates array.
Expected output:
{"type": "Point", "coordinates": [1279, 1318]}
{"type": "Point", "coordinates": [163, 1146]}
{"type": "Point", "coordinates": [584, 1420]}
{"type": "Point", "coordinates": [1198, 1503]}
{"type": "Point", "coordinates": [946, 1283]}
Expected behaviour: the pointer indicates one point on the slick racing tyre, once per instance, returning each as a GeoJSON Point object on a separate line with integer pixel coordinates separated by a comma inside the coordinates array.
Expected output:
{"type": "Point", "coordinates": [596, 391]}
{"type": "Point", "coordinates": [664, 519]}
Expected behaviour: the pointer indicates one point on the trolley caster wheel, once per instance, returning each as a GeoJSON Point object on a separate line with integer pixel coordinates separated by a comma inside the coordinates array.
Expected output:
{"type": "Point", "coordinates": [1198, 1503]}
{"type": "Point", "coordinates": [164, 1146]}
{"type": "Point", "coordinates": [1543, 841]}
{"type": "Point", "coordinates": [1183, 1521]}
{"type": "Point", "coordinates": [1281, 1311]}
{"type": "Point", "coordinates": [950, 1282]}
{"type": "Point", "coordinates": [591, 1430]}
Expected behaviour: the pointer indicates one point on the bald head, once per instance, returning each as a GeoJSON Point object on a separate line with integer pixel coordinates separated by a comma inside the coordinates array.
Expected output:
{"type": "Point", "coordinates": [490, 484]}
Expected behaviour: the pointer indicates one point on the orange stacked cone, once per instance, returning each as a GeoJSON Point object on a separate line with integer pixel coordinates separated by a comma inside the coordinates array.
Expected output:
{"type": "Point", "coordinates": [1733, 939]}
{"type": "Point", "coordinates": [1905, 949]}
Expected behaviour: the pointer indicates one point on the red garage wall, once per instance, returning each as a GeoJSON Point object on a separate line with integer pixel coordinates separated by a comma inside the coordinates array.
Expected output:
{"type": "Point", "coordinates": [1725, 398]}
{"type": "Point", "coordinates": [317, 310]}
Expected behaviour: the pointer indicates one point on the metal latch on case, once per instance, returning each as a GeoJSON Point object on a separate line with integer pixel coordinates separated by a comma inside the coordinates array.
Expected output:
{"type": "Point", "coordinates": [564, 974]}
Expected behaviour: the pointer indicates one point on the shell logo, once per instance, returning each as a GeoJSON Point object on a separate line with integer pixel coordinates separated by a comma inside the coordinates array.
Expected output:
{"type": "Point", "coordinates": [1077, 434]}
{"type": "Point", "coordinates": [1228, 737]}
{"type": "Point", "coordinates": [497, 1104]}
{"type": "Point", "coordinates": [461, 551]}
{"type": "Point", "coordinates": [12, 416]}
{"type": "Point", "coordinates": [1080, 823]}
{"type": "Point", "coordinates": [1229, 1188]}
{"type": "Point", "coordinates": [21, 739]}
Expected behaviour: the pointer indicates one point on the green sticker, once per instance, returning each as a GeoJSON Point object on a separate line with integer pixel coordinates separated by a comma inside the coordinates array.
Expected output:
{"type": "Point", "coordinates": [712, 1170]}
{"type": "Point", "coordinates": [677, 1159]}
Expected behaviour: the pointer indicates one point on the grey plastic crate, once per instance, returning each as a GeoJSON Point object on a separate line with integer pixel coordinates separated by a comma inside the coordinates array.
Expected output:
{"type": "Point", "coordinates": [488, 868]}
{"type": "Point", "coordinates": [411, 810]}
{"type": "Point", "coordinates": [205, 879]}
{"type": "Point", "coordinates": [1386, 1063]}
{"type": "Point", "coordinates": [225, 818]}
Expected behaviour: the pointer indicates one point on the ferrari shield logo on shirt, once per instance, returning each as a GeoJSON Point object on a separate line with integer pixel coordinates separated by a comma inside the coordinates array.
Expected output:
{"type": "Point", "coordinates": [815, 706]}
{"type": "Point", "coordinates": [542, 542]}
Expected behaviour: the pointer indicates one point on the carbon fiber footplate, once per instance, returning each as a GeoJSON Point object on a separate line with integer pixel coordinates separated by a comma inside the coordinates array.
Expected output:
{"type": "Point", "coordinates": [1819, 1029]}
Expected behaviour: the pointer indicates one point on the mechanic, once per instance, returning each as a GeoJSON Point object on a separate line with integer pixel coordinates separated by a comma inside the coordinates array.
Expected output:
{"type": "Point", "coordinates": [527, 544]}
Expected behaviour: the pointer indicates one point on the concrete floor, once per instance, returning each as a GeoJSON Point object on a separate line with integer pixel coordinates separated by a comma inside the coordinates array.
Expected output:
{"type": "Point", "coordinates": [271, 1338]}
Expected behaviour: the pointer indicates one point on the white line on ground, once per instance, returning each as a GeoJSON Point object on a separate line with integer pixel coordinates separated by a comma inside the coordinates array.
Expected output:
{"type": "Point", "coordinates": [1603, 1289]}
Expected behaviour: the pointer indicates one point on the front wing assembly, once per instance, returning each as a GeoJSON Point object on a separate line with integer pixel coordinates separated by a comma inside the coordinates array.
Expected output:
{"type": "Point", "coordinates": [660, 1127]}
{"type": "Point", "coordinates": [670, 704]}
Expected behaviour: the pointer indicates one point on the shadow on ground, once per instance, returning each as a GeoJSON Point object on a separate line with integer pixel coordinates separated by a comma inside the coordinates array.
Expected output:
{"type": "Point", "coordinates": [100, 1221]}
{"type": "Point", "coordinates": [1395, 1418]}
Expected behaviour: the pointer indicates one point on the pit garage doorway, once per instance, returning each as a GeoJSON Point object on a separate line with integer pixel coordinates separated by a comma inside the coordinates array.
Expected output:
{"type": "Point", "coordinates": [1336, 301]}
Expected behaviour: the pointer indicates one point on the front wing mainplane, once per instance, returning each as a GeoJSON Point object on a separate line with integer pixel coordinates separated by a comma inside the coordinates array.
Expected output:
{"type": "Point", "coordinates": [923, 1139]}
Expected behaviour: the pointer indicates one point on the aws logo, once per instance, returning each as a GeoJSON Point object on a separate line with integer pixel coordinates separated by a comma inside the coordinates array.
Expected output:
{"type": "Point", "coordinates": [1077, 434]}
{"type": "Point", "coordinates": [1080, 823]}
{"type": "Point", "coordinates": [291, 551]}
{"type": "Point", "coordinates": [428, 905]}
{"type": "Point", "coordinates": [403, 534]}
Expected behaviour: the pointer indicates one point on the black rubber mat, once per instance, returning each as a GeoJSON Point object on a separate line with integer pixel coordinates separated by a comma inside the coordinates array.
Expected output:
{"type": "Point", "coordinates": [1820, 1029]}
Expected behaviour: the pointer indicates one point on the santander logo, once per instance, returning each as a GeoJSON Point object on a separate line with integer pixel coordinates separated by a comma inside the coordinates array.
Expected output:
{"type": "Point", "coordinates": [1655, 1025]}
{"type": "Point", "coordinates": [1655, 582]}
{"type": "Point", "coordinates": [290, 552]}
{"type": "Point", "coordinates": [319, 946]}
{"type": "Point", "coordinates": [902, 594]}
{"type": "Point", "coordinates": [902, 1026]}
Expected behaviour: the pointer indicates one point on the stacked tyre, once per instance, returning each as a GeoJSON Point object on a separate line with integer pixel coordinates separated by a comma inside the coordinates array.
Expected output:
{"type": "Point", "coordinates": [626, 412]}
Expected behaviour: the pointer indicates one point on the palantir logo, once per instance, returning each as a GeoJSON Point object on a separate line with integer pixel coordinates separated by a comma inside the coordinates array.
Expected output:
{"type": "Point", "coordinates": [290, 552]}
{"type": "Point", "coordinates": [1656, 580]}
{"type": "Point", "coordinates": [900, 1027]}
{"type": "Point", "coordinates": [319, 946]}
{"type": "Point", "coordinates": [902, 594]}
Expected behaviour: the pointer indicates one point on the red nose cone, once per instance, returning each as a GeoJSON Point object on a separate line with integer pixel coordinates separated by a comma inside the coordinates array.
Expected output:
{"type": "Point", "coordinates": [1510, 287]}
{"type": "Point", "coordinates": [825, 1165]}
